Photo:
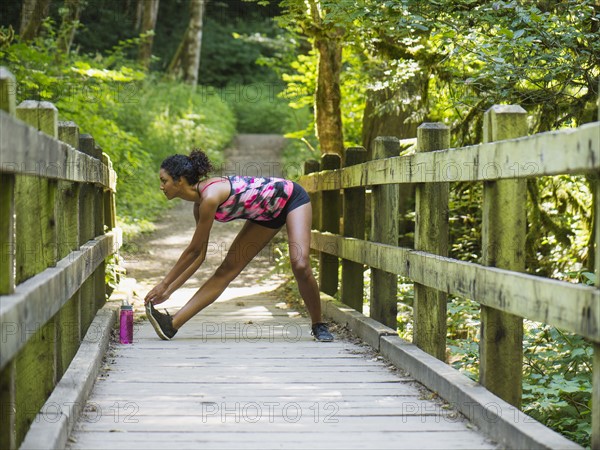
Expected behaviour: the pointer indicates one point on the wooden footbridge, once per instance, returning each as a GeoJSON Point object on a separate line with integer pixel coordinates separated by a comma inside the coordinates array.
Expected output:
{"type": "Point", "coordinates": [246, 373]}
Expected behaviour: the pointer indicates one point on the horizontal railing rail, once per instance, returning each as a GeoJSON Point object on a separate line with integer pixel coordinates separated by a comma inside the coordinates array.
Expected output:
{"type": "Point", "coordinates": [570, 151]}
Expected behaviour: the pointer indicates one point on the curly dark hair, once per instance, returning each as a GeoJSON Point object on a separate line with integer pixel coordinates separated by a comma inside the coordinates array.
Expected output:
{"type": "Point", "coordinates": [192, 167]}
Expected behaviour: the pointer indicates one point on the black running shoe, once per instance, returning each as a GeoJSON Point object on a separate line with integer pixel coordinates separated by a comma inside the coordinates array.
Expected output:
{"type": "Point", "coordinates": [162, 323]}
{"type": "Point", "coordinates": [321, 332]}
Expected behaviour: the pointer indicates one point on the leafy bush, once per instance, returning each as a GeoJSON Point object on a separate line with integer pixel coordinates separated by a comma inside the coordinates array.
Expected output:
{"type": "Point", "coordinates": [135, 118]}
{"type": "Point", "coordinates": [557, 384]}
{"type": "Point", "coordinates": [172, 118]}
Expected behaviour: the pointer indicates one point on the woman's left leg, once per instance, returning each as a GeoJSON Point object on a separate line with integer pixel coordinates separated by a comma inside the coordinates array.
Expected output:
{"type": "Point", "coordinates": [251, 239]}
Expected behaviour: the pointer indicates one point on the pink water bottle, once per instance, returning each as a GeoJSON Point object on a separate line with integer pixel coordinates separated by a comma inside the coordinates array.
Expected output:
{"type": "Point", "coordinates": [126, 323]}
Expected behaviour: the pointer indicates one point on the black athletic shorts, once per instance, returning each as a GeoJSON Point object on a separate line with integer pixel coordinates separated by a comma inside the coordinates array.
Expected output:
{"type": "Point", "coordinates": [298, 198]}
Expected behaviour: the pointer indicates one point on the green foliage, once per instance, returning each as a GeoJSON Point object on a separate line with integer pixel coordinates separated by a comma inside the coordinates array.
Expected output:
{"type": "Point", "coordinates": [542, 56]}
{"type": "Point", "coordinates": [295, 153]}
{"type": "Point", "coordinates": [106, 24]}
{"type": "Point", "coordinates": [557, 385]}
{"type": "Point", "coordinates": [300, 73]}
{"type": "Point", "coordinates": [465, 221]}
{"type": "Point", "coordinates": [557, 370]}
{"type": "Point", "coordinates": [449, 61]}
{"type": "Point", "coordinates": [135, 118]}
{"type": "Point", "coordinates": [405, 309]}
{"type": "Point", "coordinates": [172, 118]}
{"type": "Point", "coordinates": [519, 53]}
{"type": "Point", "coordinates": [463, 335]}
{"type": "Point", "coordinates": [560, 216]}
{"type": "Point", "coordinates": [462, 57]}
{"type": "Point", "coordinates": [84, 90]}
{"type": "Point", "coordinates": [114, 272]}
{"type": "Point", "coordinates": [557, 376]}
{"type": "Point", "coordinates": [353, 85]}
{"type": "Point", "coordinates": [230, 52]}
{"type": "Point", "coordinates": [301, 81]}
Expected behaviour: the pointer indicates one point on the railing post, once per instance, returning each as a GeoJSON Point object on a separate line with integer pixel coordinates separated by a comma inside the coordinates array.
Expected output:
{"type": "Point", "coordinates": [36, 233]}
{"type": "Point", "coordinates": [503, 246]}
{"type": "Point", "coordinates": [67, 213]}
{"type": "Point", "coordinates": [312, 166]}
{"type": "Point", "coordinates": [354, 226]}
{"type": "Point", "coordinates": [87, 207]}
{"type": "Point", "coordinates": [99, 275]}
{"type": "Point", "coordinates": [36, 242]}
{"type": "Point", "coordinates": [384, 229]}
{"type": "Point", "coordinates": [7, 195]}
{"type": "Point", "coordinates": [67, 203]}
{"type": "Point", "coordinates": [431, 236]}
{"type": "Point", "coordinates": [87, 145]}
{"type": "Point", "coordinates": [8, 89]}
{"type": "Point", "coordinates": [98, 200]}
{"type": "Point", "coordinates": [330, 222]}
{"type": "Point", "coordinates": [110, 209]}
{"type": "Point", "coordinates": [36, 364]}
{"type": "Point", "coordinates": [8, 438]}
{"type": "Point", "coordinates": [7, 228]}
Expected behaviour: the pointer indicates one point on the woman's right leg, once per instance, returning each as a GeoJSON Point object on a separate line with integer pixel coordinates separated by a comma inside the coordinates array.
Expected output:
{"type": "Point", "coordinates": [298, 228]}
{"type": "Point", "coordinates": [251, 239]}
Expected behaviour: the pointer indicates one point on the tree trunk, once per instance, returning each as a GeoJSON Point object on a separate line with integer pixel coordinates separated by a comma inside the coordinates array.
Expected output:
{"type": "Point", "coordinates": [187, 56]}
{"type": "Point", "coordinates": [328, 115]}
{"type": "Point", "coordinates": [32, 16]}
{"type": "Point", "coordinates": [191, 51]}
{"type": "Point", "coordinates": [68, 26]}
{"type": "Point", "coordinates": [147, 26]}
{"type": "Point", "coordinates": [328, 96]}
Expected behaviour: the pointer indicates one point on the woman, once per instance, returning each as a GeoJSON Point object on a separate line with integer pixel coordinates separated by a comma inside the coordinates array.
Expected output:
{"type": "Point", "coordinates": [266, 204]}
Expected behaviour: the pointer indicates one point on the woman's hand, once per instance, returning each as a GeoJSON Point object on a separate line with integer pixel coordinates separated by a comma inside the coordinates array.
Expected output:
{"type": "Point", "coordinates": [157, 295]}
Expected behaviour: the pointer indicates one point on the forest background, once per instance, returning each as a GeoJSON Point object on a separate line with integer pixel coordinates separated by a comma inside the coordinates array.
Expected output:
{"type": "Point", "coordinates": [149, 78]}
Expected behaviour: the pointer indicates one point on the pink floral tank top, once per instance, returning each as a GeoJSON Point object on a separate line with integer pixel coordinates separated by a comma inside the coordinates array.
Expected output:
{"type": "Point", "coordinates": [254, 198]}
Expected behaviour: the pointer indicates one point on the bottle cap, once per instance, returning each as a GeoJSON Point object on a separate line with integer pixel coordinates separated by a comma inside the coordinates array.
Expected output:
{"type": "Point", "coordinates": [125, 305]}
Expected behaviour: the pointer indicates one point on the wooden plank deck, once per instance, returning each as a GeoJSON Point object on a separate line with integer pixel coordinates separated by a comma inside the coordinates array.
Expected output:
{"type": "Point", "coordinates": [246, 373]}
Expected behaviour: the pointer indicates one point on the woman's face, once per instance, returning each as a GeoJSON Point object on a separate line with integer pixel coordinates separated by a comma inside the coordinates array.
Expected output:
{"type": "Point", "coordinates": [169, 187]}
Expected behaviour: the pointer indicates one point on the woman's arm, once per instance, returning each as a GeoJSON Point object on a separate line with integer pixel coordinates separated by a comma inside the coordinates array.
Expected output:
{"type": "Point", "coordinates": [191, 258]}
{"type": "Point", "coordinates": [187, 273]}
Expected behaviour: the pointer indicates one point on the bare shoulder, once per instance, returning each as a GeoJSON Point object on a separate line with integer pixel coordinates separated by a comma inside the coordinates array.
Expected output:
{"type": "Point", "coordinates": [214, 191]}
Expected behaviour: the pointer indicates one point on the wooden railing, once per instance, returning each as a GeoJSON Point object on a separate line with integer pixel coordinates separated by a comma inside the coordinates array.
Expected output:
{"type": "Point", "coordinates": [57, 225]}
{"type": "Point", "coordinates": [506, 294]}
